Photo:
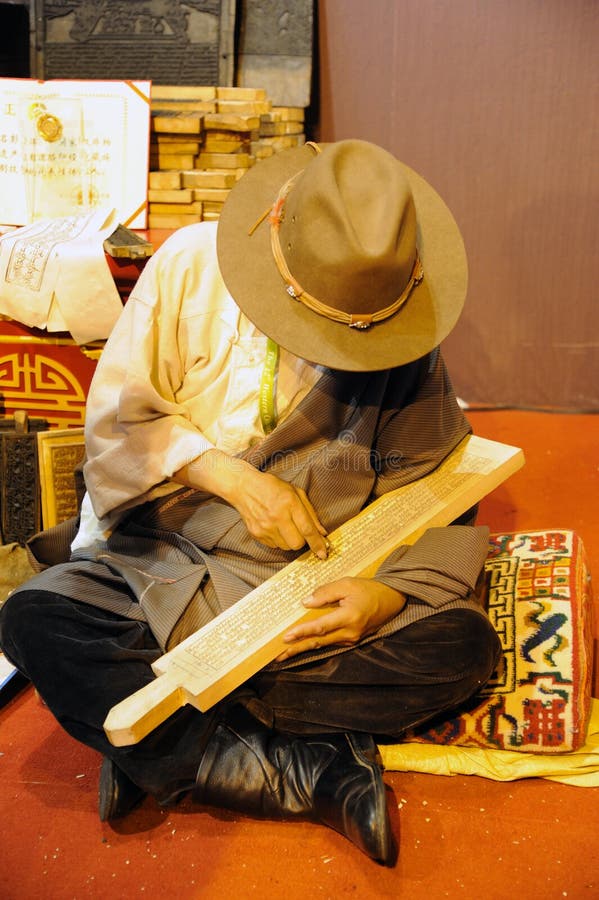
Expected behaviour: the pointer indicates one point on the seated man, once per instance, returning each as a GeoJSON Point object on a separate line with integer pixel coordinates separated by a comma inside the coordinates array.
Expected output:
{"type": "Point", "coordinates": [268, 378]}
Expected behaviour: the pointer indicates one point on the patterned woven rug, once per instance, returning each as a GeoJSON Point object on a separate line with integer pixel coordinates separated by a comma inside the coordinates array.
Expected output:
{"type": "Point", "coordinates": [538, 699]}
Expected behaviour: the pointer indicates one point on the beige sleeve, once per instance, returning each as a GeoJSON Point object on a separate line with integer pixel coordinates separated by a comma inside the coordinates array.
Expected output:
{"type": "Point", "coordinates": [137, 433]}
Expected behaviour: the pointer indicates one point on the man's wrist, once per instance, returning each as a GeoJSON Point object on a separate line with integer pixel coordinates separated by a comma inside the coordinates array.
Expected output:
{"type": "Point", "coordinates": [217, 473]}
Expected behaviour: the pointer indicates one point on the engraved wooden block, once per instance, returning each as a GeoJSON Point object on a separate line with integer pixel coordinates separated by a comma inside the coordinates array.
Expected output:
{"type": "Point", "coordinates": [175, 209]}
{"type": "Point", "coordinates": [182, 195]}
{"type": "Point", "coordinates": [19, 482]}
{"type": "Point", "coordinates": [169, 143]}
{"type": "Point", "coordinates": [284, 141]}
{"type": "Point", "coordinates": [207, 178]}
{"type": "Point", "coordinates": [236, 644]}
{"type": "Point", "coordinates": [165, 42]}
{"type": "Point", "coordinates": [261, 150]}
{"type": "Point", "coordinates": [240, 93]}
{"type": "Point", "coordinates": [218, 195]}
{"type": "Point", "coordinates": [230, 122]}
{"type": "Point", "coordinates": [284, 114]}
{"type": "Point", "coordinates": [177, 123]}
{"type": "Point", "coordinates": [177, 221]}
{"type": "Point", "coordinates": [126, 244]}
{"type": "Point", "coordinates": [270, 129]}
{"type": "Point", "coordinates": [168, 161]}
{"type": "Point", "coordinates": [244, 107]}
{"type": "Point", "coordinates": [191, 107]}
{"type": "Point", "coordinates": [212, 206]}
{"type": "Point", "coordinates": [213, 145]}
{"type": "Point", "coordinates": [231, 137]}
{"type": "Point", "coordinates": [59, 452]}
{"type": "Point", "coordinates": [183, 92]}
{"type": "Point", "coordinates": [224, 161]}
{"type": "Point", "coordinates": [275, 49]}
{"type": "Point", "coordinates": [167, 181]}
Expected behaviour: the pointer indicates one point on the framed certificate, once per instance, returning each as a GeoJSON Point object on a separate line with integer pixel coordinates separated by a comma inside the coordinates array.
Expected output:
{"type": "Point", "coordinates": [67, 147]}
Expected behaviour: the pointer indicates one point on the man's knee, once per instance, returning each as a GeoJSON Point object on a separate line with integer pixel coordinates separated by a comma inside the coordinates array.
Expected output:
{"type": "Point", "coordinates": [22, 607]}
{"type": "Point", "coordinates": [452, 646]}
{"type": "Point", "coordinates": [477, 649]}
{"type": "Point", "coordinates": [21, 617]}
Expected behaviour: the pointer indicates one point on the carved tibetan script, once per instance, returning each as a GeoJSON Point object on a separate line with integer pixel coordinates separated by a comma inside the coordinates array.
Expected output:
{"type": "Point", "coordinates": [166, 41]}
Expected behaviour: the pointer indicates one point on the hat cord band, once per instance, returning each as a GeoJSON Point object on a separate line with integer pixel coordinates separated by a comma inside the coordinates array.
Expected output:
{"type": "Point", "coordinates": [360, 321]}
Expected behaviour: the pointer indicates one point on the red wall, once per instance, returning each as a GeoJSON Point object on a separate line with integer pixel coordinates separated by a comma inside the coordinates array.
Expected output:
{"type": "Point", "coordinates": [495, 103]}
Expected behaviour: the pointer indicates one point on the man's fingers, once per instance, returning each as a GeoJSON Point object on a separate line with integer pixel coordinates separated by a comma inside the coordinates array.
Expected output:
{"type": "Point", "coordinates": [279, 514]}
{"type": "Point", "coordinates": [315, 642]}
{"type": "Point", "coordinates": [315, 541]}
{"type": "Point", "coordinates": [317, 629]}
{"type": "Point", "coordinates": [330, 592]}
{"type": "Point", "coordinates": [309, 528]}
{"type": "Point", "coordinates": [298, 530]}
{"type": "Point", "coordinates": [313, 514]}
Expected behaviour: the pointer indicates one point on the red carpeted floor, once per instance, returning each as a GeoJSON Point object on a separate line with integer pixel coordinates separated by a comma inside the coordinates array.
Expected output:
{"type": "Point", "coordinates": [461, 836]}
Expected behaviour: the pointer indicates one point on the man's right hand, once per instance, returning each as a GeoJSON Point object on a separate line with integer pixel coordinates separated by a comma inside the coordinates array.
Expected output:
{"type": "Point", "coordinates": [275, 513]}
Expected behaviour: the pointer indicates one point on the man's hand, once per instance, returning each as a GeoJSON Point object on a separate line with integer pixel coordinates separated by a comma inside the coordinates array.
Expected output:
{"type": "Point", "coordinates": [275, 513]}
{"type": "Point", "coordinates": [278, 514]}
{"type": "Point", "coordinates": [358, 607]}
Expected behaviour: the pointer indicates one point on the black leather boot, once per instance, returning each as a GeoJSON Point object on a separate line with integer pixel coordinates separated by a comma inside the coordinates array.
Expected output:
{"type": "Point", "coordinates": [329, 778]}
{"type": "Point", "coordinates": [117, 794]}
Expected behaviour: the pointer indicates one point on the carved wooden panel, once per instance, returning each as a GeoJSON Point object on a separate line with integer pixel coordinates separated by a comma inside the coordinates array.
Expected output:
{"type": "Point", "coordinates": [167, 41]}
{"type": "Point", "coordinates": [275, 49]}
{"type": "Point", "coordinates": [60, 452]}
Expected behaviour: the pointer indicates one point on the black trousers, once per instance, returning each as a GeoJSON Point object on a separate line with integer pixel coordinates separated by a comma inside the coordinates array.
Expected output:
{"type": "Point", "coordinates": [83, 660]}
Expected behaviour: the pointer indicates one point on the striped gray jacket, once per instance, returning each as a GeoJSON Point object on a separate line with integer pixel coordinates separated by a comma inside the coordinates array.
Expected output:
{"type": "Point", "coordinates": [179, 561]}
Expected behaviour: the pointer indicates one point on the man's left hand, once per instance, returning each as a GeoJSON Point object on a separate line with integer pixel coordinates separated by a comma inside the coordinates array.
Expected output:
{"type": "Point", "coordinates": [357, 607]}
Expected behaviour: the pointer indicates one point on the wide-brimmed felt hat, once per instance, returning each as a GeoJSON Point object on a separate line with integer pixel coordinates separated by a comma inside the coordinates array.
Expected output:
{"type": "Point", "coordinates": [343, 255]}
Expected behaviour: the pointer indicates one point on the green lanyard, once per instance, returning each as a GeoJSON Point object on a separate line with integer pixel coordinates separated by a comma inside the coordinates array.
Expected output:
{"type": "Point", "coordinates": [268, 414]}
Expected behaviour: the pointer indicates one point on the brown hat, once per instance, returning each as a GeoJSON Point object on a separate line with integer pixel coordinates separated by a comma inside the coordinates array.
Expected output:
{"type": "Point", "coordinates": [343, 255]}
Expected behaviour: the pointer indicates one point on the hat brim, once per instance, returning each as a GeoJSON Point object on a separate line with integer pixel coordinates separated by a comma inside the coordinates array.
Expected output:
{"type": "Point", "coordinates": [253, 280]}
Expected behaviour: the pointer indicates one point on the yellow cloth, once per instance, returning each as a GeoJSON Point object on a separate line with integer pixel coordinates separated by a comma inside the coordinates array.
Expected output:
{"type": "Point", "coordinates": [579, 767]}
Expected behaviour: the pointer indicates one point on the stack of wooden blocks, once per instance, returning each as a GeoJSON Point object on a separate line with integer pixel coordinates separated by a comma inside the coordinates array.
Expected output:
{"type": "Point", "coordinates": [203, 139]}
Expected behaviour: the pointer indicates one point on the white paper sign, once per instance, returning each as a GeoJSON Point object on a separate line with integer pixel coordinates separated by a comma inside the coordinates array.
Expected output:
{"type": "Point", "coordinates": [67, 147]}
